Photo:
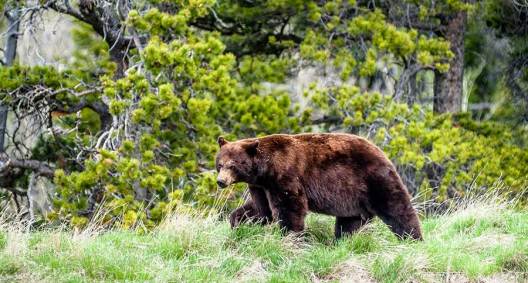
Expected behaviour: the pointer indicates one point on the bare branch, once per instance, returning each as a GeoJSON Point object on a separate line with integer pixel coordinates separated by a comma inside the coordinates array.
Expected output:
{"type": "Point", "coordinates": [326, 120]}
{"type": "Point", "coordinates": [404, 78]}
{"type": "Point", "coordinates": [15, 191]}
{"type": "Point", "coordinates": [39, 167]}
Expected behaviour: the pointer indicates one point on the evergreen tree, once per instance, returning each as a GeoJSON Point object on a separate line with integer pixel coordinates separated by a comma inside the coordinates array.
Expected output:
{"type": "Point", "coordinates": [135, 115]}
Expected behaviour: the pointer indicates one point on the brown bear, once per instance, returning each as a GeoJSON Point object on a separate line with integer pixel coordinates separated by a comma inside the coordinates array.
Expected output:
{"type": "Point", "coordinates": [336, 174]}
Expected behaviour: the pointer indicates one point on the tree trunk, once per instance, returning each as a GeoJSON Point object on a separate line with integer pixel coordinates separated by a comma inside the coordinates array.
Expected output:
{"type": "Point", "coordinates": [448, 87]}
{"type": "Point", "coordinates": [13, 23]}
{"type": "Point", "coordinates": [119, 55]}
{"type": "Point", "coordinates": [405, 89]}
{"type": "Point", "coordinates": [3, 122]}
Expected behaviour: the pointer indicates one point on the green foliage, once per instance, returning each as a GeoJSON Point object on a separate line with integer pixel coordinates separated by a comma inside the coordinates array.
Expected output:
{"type": "Point", "coordinates": [498, 55]}
{"type": "Point", "coordinates": [468, 153]}
{"type": "Point", "coordinates": [186, 97]}
{"type": "Point", "coordinates": [3, 240]}
{"type": "Point", "coordinates": [385, 41]}
{"type": "Point", "coordinates": [397, 269]}
{"type": "Point", "coordinates": [90, 58]}
{"type": "Point", "coordinates": [8, 265]}
{"type": "Point", "coordinates": [191, 81]}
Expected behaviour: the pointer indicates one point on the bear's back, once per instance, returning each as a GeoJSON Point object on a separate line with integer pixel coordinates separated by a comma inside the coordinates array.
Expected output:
{"type": "Point", "coordinates": [325, 145]}
{"type": "Point", "coordinates": [324, 151]}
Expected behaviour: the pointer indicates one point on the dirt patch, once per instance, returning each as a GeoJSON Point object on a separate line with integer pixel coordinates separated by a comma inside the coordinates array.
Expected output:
{"type": "Point", "coordinates": [22, 278]}
{"type": "Point", "coordinates": [349, 271]}
{"type": "Point", "coordinates": [505, 278]}
{"type": "Point", "coordinates": [509, 277]}
{"type": "Point", "coordinates": [255, 270]}
{"type": "Point", "coordinates": [488, 240]}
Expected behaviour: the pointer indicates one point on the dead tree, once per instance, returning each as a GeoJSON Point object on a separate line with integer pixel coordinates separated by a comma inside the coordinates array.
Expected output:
{"type": "Point", "coordinates": [13, 24]}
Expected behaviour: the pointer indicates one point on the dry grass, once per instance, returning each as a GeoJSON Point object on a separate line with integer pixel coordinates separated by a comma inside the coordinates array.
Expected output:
{"type": "Point", "coordinates": [484, 239]}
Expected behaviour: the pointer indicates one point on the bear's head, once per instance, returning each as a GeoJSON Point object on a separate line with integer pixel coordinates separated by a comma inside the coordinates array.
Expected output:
{"type": "Point", "coordinates": [236, 162]}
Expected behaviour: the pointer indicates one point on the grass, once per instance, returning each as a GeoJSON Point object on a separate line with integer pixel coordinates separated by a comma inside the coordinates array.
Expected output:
{"type": "Point", "coordinates": [483, 240]}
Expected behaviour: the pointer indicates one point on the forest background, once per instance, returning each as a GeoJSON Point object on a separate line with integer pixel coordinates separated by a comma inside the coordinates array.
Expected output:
{"type": "Point", "coordinates": [115, 106]}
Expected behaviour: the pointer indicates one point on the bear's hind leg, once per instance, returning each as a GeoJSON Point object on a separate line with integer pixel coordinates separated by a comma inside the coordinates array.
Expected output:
{"type": "Point", "coordinates": [348, 225]}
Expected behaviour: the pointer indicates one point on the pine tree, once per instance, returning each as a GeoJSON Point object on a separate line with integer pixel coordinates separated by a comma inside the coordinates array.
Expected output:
{"type": "Point", "coordinates": [135, 115]}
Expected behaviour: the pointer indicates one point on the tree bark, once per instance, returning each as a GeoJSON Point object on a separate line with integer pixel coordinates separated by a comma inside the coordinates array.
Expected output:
{"type": "Point", "coordinates": [404, 90]}
{"type": "Point", "coordinates": [13, 23]}
{"type": "Point", "coordinates": [107, 20]}
{"type": "Point", "coordinates": [39, 167]}
{"type": "Point", "coordinates": [3, 122]}
{"type": "Point", "coordinates": [448, 87]}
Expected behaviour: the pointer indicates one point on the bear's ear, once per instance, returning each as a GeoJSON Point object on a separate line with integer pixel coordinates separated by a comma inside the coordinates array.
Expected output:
{"type": "Point", "coordinates": [252, 147]}
{"type": "Point", "coordinates": [221, 141]}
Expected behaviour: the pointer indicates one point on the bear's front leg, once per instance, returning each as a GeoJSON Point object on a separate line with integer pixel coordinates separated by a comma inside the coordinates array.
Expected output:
{"type": "Point", "coordinates": [289, 207]}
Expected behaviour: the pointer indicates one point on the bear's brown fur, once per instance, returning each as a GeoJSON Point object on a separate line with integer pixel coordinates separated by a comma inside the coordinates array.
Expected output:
{"type": "Point", "coordinates": [336, 174]}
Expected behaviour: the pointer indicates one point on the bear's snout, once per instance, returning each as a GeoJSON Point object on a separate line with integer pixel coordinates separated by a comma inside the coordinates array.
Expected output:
{"type": "Point", "coordinates": [221, 183]}
{"type": "Point", "coordinates": [225, 178]}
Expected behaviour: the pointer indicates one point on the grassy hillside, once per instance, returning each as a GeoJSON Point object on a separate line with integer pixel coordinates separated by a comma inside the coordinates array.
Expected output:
{"type": "Point", "coordinates": [483, 240]}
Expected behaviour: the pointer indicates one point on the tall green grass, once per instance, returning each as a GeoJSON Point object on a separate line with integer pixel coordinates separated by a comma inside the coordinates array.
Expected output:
{"type": "Point", "coordinates": [483, 239]}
